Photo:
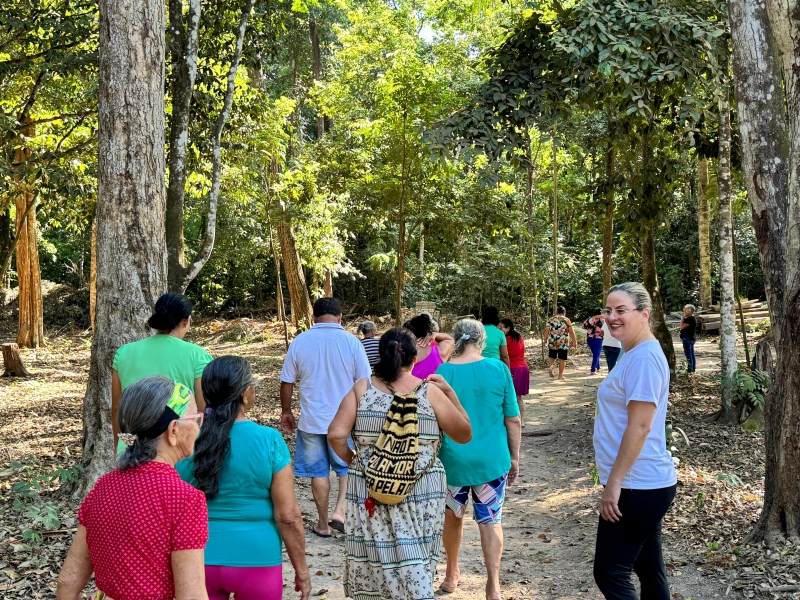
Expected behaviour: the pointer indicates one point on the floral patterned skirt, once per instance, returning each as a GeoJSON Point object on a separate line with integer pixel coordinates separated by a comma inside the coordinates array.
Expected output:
{"type": "Point", "coordinates": [393, 554]}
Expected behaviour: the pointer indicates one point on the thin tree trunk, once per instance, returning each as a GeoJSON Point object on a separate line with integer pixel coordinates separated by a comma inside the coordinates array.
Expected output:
{"type": "Point", "coordinates": [400, 284]}
{"type": "Point", "coordinates": [131, 203]}
{"type": "Point", "coordinates": [608, 222]}
{"type": "Point", "coordinates": [763, 105]}
{"type": "Point", "coordinates": [650, 277]}
{"type": "Point", "coordinates": [190, 271]}
{"type": "Point", "coordinates": [316, 69]}
{"type": "Point", "coordinates": [183, 49]}
{"type": "Point", "coordinates": [302, 314]}
{"type": "Point", "coordinates": [555, 220]}
{"type": "Point", "coordinates": [703, 233]}
{"type": "Point", "coordinates": [30, 331]}
{"type": "Point", "coordinates": [6, 241]}
{"type": "Point", "coordinates": [738, 296]}
{"type": "Point", "coordinates": [727, 340]}
{"type": "Point", "coordinates": [279, 296]}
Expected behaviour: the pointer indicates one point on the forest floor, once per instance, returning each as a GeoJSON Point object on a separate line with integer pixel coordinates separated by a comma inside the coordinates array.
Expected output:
{"type": "Point", "coordinates": [550, 515]}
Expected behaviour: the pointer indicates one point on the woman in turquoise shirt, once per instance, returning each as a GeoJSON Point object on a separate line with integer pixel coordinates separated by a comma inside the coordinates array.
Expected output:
{"type": "Point", "coordinates": [483, 467]}
{"type": "Point", "coordinates": [243, 470]}
{"type": "Point", "coordinates": [495, 344]}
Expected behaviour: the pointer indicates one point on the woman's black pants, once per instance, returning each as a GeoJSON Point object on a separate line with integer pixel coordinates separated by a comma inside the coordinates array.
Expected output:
{"type": "Point", "coordinates": [633, 544]}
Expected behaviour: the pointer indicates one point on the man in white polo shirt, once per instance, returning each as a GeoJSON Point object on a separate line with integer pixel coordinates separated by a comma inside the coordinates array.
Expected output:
{"type": "Point", "coordinates": [325, 361]}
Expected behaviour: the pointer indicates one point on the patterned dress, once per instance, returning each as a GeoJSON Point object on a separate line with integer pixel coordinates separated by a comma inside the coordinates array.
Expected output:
{"type": "Point", "coordinates": [559, 335]}
{"type": "Point", "coordinates": [393, 554]}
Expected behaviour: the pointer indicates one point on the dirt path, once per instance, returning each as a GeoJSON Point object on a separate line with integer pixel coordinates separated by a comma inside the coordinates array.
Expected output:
{"type": "Point", "coordinates": [550, 516]}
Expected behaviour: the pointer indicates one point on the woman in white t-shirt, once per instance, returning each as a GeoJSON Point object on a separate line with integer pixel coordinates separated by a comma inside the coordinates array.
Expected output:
{"type": "Point", "coordinates": [631, 454]}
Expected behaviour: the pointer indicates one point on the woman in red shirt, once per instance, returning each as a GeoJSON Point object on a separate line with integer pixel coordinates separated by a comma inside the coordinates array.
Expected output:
{"type": "Point", "coordinates": [143, 530]}
{"type": "Point", "coordinates": [520, 372]}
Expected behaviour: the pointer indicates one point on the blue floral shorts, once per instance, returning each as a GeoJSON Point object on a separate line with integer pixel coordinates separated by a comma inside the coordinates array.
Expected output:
{"type": "Point", "coordinates": [487, 500]}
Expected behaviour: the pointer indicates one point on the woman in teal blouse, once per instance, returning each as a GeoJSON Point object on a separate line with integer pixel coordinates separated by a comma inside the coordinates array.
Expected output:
{"type": "Point", "coordinates": [243, 470]}
{"type": "Point", "coordinates": [483, 467]}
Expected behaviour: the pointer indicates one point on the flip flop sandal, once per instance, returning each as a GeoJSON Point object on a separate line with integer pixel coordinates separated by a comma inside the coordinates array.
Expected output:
{"type": "Point", "coordinates": [337, 525]}
{"type": "Point", "coordinates": [317, 533]}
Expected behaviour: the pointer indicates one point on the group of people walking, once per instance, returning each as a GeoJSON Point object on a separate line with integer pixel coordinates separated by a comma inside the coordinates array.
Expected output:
{"type": "Point", "coordinates": [416, 424]}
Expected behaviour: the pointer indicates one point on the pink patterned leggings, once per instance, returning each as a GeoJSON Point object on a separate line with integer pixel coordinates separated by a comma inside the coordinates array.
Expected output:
{"type": "Point", "coordinates": [245, 583]}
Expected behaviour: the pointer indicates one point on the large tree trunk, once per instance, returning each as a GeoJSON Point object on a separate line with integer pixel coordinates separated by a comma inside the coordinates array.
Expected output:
{"type": "Point", "coordinates": [302, 314]}
{"type": "Point", "coordinates": [703, 233]}
{"type": "Point", "coordinates": [650, 276]}
{"type": "Point", "coordinates": [131, 262]}
{"type": "Point", "coordinates": [93, 277]}
{"type": "Point", "coordinates": [767, 138]}
{"type": "Point", "coordinates": [30, 331]}
{"type": "Point", "coordinates": [729, 414]}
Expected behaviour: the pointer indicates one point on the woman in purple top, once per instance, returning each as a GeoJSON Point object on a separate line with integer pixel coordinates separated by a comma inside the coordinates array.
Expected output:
{"type": "Point", "coordinates": [433, 349]}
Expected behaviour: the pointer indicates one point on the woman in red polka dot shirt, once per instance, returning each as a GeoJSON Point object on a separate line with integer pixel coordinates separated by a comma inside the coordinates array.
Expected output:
{"type": "Point", "coordinates": [142, 530]}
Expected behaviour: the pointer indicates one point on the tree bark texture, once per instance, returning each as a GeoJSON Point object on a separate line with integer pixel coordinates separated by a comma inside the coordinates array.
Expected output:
{"type": "Point", "coordinates": [93, 277]}
{"type": "Point", "coordinates": [183, 49]}
{"type": "Point", "coordinates": [650, 277]}
{"type": "Point", "coordinates": [12, 362]}
{"type": "Point", "coordinates": [727, 338]}
{"type": "Point", "coordinates": [30, 324]}
{"type": "Point", "coordinates": [762, 38]}
{"type": "Point", "coordinates": [703, 233]}
{"type": "Point", "coordinates": [181, 275]}
{"type": "Point", "coordinates": [302, 313]}
{"type": "Point", "coordinates": [131, 262]}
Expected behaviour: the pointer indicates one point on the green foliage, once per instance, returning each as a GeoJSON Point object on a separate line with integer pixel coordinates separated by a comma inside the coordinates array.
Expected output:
{"type": "Point", "coordinates": [38, 514]}
{"type": "Point", "coordinates": [750, 388]}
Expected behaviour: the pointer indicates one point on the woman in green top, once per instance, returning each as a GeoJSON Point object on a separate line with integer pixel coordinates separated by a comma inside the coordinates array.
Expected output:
{"type": "Point", "coordinates": [495, 346]}
{"type": "Point", "coordinates": [164, 353]}
{"type": "Point", "coordinates": [483, 467]}
{"type": "Point", "coordinates": [244, 471]}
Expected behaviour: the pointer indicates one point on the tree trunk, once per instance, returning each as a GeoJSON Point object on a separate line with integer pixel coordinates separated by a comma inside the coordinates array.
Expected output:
{"type": "Point", "coordinates": [183, 49]}
{"type": "Point", "coordinates": [131, 262]}
{"type": "Point", "coordinates": [555, 221]}
{"type": "Point", "coordinates": [12, 362]}
{"type": "Point", "coordinates": [650, 276]}
{"type": "Point", "coordinates": [302, 313]}
{"type": "Point", "coordinates": [30, 331]}
{"type": "Point", "coordinates": [766, 134]}
{"type": "Point", "coordinates": [93, 277]}
{"type": "Point", "coordinates": [401, 268]}
{"type": "Point", "coordinates": [703, 233]}
{"type": "Point", "coordinates": [762, 361]}
{"type": "Point", "coordinates": [727, 339]}
{"type": "Point", "coordinates": [327, 284]}
{"type": "Point", "coordinates": [6, 242]}
{"type": "Point", "coordinates": [180, 274]}
{"type": "Point", "coordinates": [608, 222]}
{"type": "Point", "coordinates": [316, 70]}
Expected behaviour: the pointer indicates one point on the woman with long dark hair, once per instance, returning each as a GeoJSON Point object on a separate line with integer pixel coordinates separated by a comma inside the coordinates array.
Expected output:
{"type": "Point", "coordinates": [392, 549]}
{"type": "Point", "coordinates": [520, 372]}
{"type": "Point", "coordinates": [243, 470]}
{"type": "Point", "coordinates": [164, 353]}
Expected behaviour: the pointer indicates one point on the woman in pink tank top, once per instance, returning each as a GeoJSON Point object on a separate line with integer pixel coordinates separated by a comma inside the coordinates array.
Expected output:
{"type": "Point", "coordinates": [433, 348]}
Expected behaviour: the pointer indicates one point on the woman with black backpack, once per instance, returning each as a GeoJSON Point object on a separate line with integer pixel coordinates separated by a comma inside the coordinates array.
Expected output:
{"type": "Point", "coordinates": [396, 485]}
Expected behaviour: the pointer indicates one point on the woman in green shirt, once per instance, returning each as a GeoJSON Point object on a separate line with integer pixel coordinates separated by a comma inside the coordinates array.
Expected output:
{"type": "Point", "coordinates": [483, 467]}
{"type": "Point", "coordinates": [244, 471]}
{"type": "Point", "coordinates": [495, 346]}
{"type": "Point", "coordinates": [165, 353]}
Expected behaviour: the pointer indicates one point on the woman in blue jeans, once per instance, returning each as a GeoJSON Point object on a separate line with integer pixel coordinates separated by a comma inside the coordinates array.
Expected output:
{"type": "Point", "coordinates": [688, 330]}
{"type": "Point", "coordinates": [594, 337]}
